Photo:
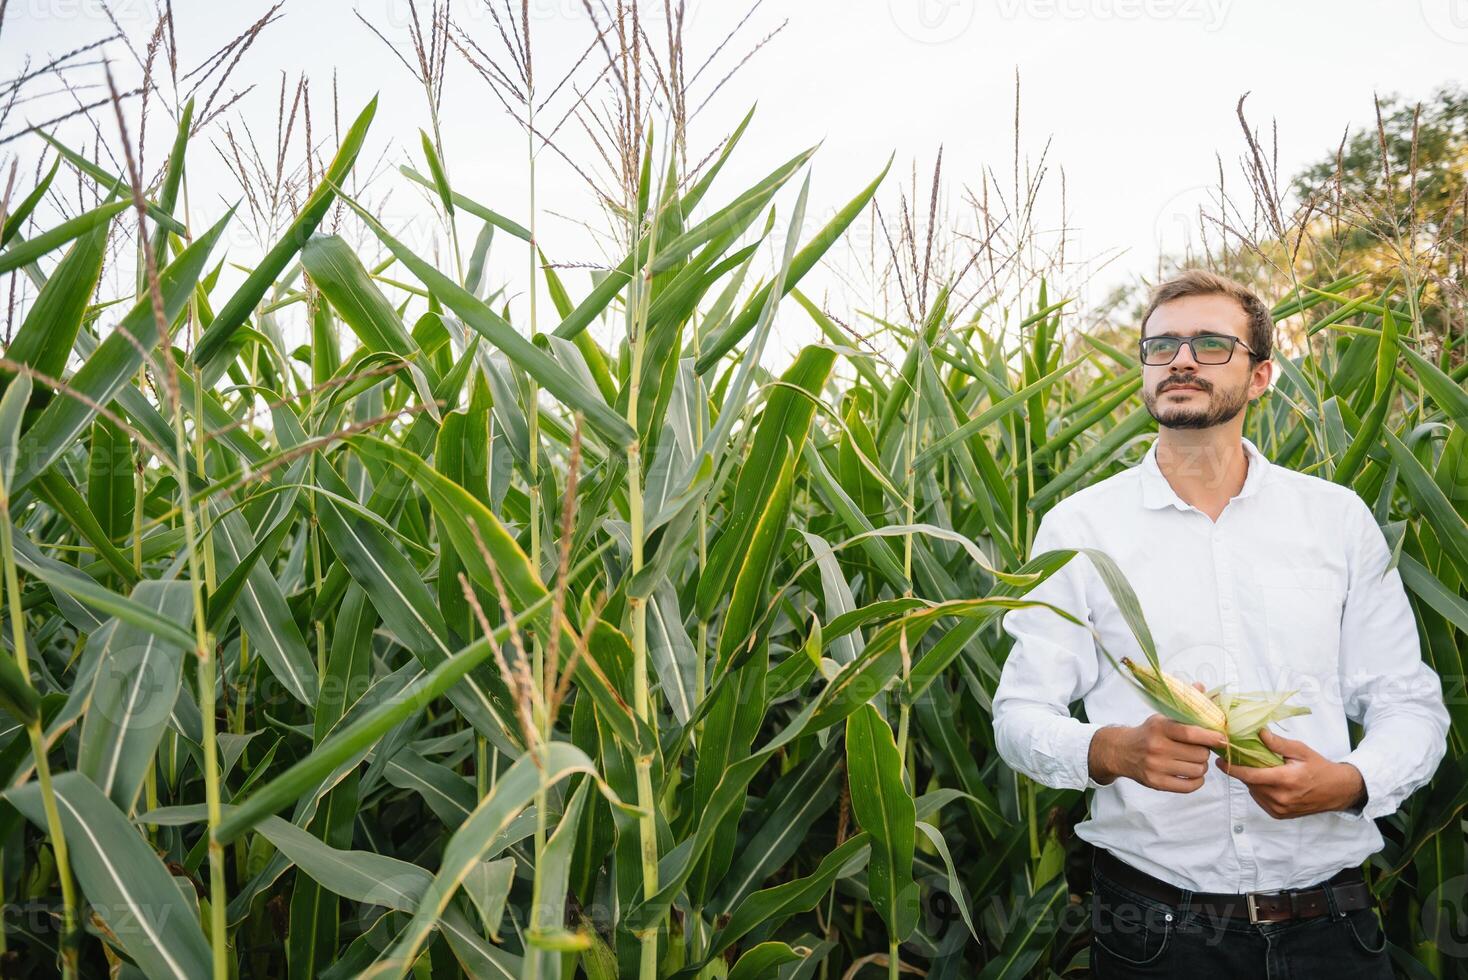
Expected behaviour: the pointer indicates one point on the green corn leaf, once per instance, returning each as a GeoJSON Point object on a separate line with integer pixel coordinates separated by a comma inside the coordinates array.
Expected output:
{"type": "Point", "coordinates": [173, 179]}
{"type": "Point", "coordinates": [512, 792]}
{"type": "Point", "coordinates": [536, 362]}
{"type": "Point", "coordinates": [1027, 937]}
{"type": "Point", "coordinates": [216, 337]}
{"type": "Point", "coordinates": [336, 271]}
{"type": "Point", "coordinates": [111, 183]}
{"type": "Point", "coordinates": [261, 607]}
{"type": "Point", "coordinates": [16, 217]}
{"type": "Point", "coordinates": [796, 802]}
{"type": "Point", "coordinates": [440, 180]}
{"type": "Point", "coordinates": [885, 810]}
{"type": "Point", "coordinates": [70, 504]}
{"type": "Point", "coordinates": [763, 961]}
{"type": "Point", "coordinates": [493, 218]}
{"type": "Point", "coordinates": [49, 330]}
{"type": "Point", "coordinates": [133, 693]}
{"type": "Point", "coordinates": [553, 871]}
{"type": "Point", "coordinates": [12, 410]}
{"type": "Point", "coordinates": [774, 904]}
{"type": "Point", "coordinates": [114, 362]}
{"type": "Point", "coordinates": [785, 423]}
{"type": "Point", "coordinates": [89, 592]}
{"type": "Point", "coordinates": [110, 493]}
{"type": "Point", "coordinates": [24, 253]}
{"type": "Point", "coordinates": [407, 607]}
{"type": "Point", "coordinates": [124, 881]}
{"type": "Point", "coordinates": [802, 263]}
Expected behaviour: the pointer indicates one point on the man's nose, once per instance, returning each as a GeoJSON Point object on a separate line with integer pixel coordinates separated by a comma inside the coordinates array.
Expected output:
{"type": "Point", "coordinates": [1184, 356]}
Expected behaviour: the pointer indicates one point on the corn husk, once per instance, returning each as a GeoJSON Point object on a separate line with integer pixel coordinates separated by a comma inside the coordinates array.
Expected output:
{"type": "Point", "coordinates": [1239, 717]}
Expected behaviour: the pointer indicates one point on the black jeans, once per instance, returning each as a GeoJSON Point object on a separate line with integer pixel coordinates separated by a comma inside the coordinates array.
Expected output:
{"type": "Point", "coordinates": [1136, 936]}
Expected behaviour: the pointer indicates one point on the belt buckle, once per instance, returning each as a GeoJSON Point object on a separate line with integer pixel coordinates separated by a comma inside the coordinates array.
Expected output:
{"type": "Point", "coordinates": [1252, 906]}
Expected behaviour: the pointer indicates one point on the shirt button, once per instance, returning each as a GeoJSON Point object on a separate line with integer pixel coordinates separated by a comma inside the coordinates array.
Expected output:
{"type": "Point", "coordinates": [1238, 828]}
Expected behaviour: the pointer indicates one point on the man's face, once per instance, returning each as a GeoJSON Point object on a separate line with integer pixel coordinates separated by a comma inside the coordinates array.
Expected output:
{"type": "Point", "coordinates": [1189, 395]}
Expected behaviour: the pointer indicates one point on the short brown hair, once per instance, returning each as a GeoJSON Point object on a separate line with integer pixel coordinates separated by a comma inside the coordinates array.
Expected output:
{"type": "Point", "coordinates": [1201, 282]}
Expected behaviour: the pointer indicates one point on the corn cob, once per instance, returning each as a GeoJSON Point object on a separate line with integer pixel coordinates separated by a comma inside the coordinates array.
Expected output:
{"type": "Point", "coordinates": [1205, 711]}
{"type": "Point", "coordinates": [1239, 717]}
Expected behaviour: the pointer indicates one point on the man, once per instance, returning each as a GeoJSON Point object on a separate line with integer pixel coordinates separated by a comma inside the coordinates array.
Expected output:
{"type": "Point", "coordinates": [1258, 578]}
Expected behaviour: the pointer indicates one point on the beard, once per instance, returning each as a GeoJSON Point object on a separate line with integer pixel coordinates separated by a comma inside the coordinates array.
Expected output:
{"type": "Point", "coordinates": [1209, 407]}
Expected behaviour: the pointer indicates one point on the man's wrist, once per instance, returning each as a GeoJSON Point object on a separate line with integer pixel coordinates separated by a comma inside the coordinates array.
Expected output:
{"type": "Point", "coordinates": [1358, 801]}
{"type": "Point", "coordinates": [1098, 754]}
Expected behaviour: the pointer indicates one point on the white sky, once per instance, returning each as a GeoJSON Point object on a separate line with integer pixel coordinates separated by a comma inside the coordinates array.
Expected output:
{"type": "Point", "coordinates": [1137, 97]}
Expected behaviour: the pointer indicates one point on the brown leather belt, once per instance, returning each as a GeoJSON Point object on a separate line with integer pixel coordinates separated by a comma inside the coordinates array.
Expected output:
{"type": "Point", "coordinates": [1348, 886]}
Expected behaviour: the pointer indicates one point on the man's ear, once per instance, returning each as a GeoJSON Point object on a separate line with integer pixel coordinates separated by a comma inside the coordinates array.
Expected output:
{"type": "Point", "coordinates": [1268, 374]}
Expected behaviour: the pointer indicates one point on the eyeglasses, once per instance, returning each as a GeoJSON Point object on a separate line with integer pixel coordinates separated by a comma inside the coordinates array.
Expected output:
{"type": "Point", "coordinates": [1208, 348]}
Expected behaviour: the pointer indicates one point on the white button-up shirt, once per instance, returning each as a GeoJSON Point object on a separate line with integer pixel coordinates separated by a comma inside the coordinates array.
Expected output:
{"type": "Point", "coordinates": [1287, 590]}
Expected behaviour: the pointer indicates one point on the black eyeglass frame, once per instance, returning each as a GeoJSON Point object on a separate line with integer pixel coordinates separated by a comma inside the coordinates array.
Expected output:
{"type": "Point", "coordinates": [1233, 342]}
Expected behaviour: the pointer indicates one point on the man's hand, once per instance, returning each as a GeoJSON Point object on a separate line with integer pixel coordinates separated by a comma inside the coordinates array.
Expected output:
{"type": "Point", "coordinates": [1307, 782]}
{"type": "Point", "coordinates": [1161, 753]}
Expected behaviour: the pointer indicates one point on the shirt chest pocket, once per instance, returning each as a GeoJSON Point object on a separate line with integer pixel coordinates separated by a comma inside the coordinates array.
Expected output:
{"type": "Point", "coordinates": [1302, 618]}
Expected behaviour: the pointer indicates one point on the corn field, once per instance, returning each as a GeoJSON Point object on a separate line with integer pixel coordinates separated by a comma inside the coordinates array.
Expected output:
{"type": "Point", "coordinates": [451, 642]}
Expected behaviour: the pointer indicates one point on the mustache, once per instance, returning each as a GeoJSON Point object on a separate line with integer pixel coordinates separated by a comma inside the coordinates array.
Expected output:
{"type": "Point", "coordinates": [1169, 385]}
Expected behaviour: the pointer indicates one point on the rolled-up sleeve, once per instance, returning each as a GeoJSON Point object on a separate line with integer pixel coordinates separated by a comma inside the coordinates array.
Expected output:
{"type": "Point", "coordinates": [1385, 685]}
{"type": "Point", "coordinates": [1052, 663]}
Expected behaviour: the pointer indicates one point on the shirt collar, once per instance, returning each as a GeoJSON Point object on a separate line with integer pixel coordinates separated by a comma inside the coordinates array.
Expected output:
{"type": "Point", "coordinates": [1158, 493]}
